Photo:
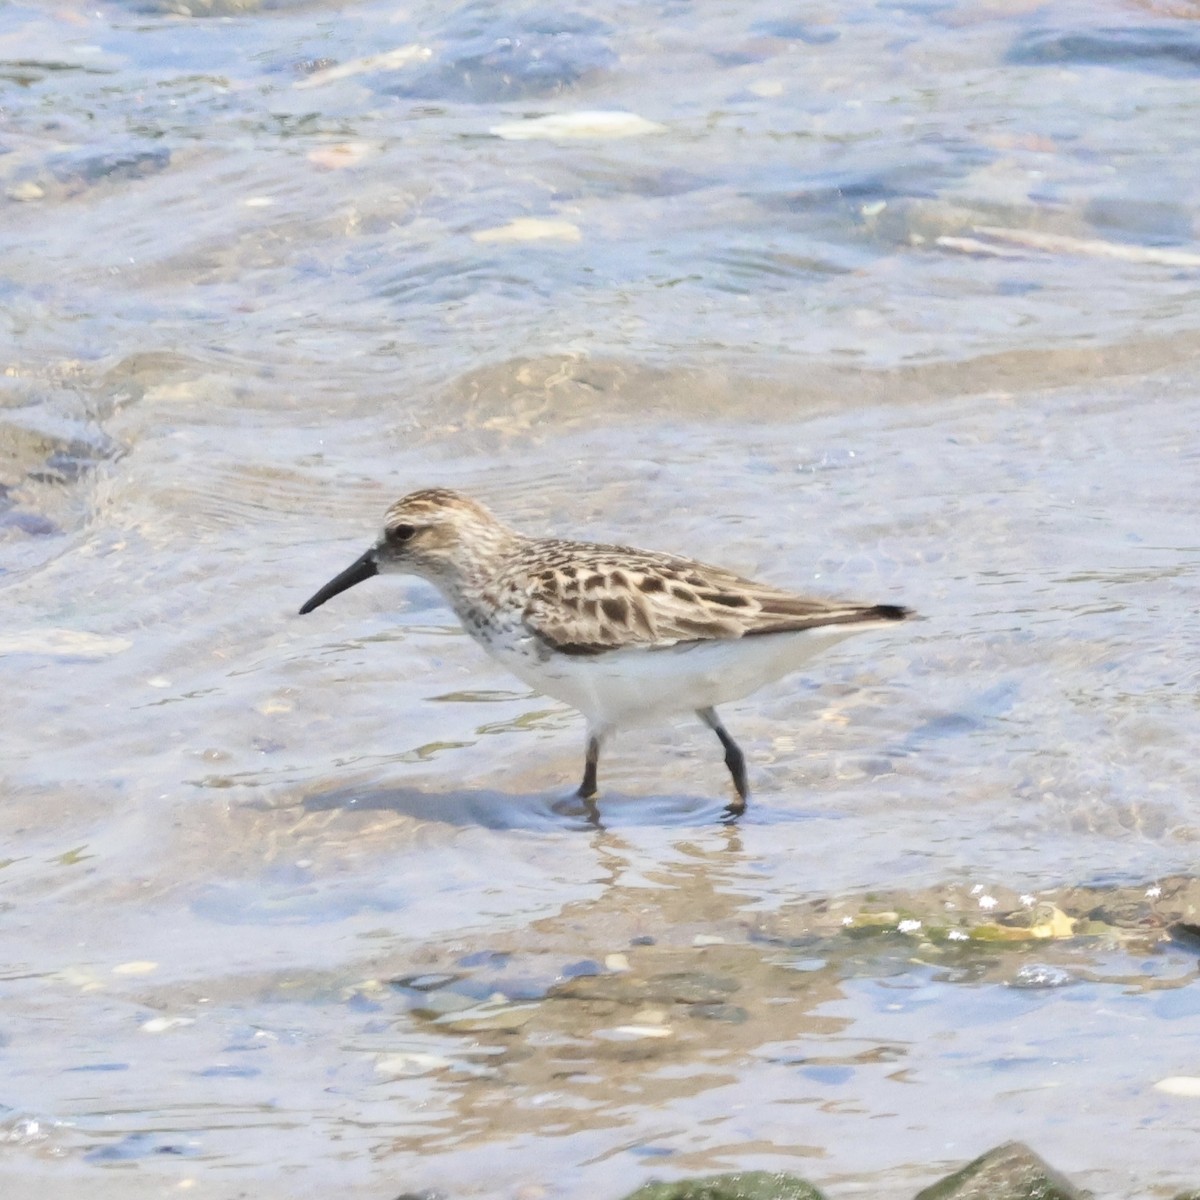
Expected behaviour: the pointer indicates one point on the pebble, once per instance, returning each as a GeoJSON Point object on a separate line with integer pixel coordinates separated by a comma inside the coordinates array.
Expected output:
{"type": "Point", "coordinates": [1051, 922]}
{"type": "Point", "coordinates": [26, 191]}
{"type": "Point", "coordinates": [409, 1065]}
{"type": "Point", "coordinates": [440, 1004]}
{"type": "Point", "coordinates": [577, 125]}
{"type": "Point", "coordinates": [390, 60]}
{"type": "Point", "coordinates": [162, 1024]}
{"type": "Point", "coordinates": [585, 967]}
{"type": "Point", "coordinates": [529, 229]}
{"type": "Point", "coordinates": [79, 978]}
{"type": "Point", "coordinates": [489, 1015]}
{"type": "Point", "coordinates": [339, 155]}
{"type": "Point", "coordinates": [629, 1033]}
{"type": "Point", "coordinates": [734, 1014]}
{"type": "Point", "coordinates": [650, 1016]}
{"type": "Point", "coordinates": [1179, 1085]}
{"type": "Point", "coordinates": [425, 982]}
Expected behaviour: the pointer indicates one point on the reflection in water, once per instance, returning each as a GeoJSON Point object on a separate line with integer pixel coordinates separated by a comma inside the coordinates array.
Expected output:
{"type": "Point", "coordinates": [666, 1015]}
{"type": "Point", "coordinates": [506, 810]}
{"type": "Point", "coordinates": [665, 1020]}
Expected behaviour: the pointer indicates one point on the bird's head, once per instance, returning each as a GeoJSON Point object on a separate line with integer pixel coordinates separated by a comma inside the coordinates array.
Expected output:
{"type": "Point", "coordinates": [435, 533]}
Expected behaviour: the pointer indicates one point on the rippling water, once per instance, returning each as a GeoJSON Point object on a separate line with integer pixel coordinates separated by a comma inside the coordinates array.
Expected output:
{"type": "Point", "coordinates": [895, 301]}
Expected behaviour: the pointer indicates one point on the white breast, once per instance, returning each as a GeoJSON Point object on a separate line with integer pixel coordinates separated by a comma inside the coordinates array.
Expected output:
{"type": "Point", "coordinates": [639, 686]}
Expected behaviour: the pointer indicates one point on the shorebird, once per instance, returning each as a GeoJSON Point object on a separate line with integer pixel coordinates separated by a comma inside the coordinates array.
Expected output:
{"type": "Point", "coordinates": [628, 637]}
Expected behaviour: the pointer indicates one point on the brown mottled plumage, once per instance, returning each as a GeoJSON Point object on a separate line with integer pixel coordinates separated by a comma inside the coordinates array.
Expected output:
{"type": "Point", "coordinates": [626, 636]}
{"type": "Point", "coordinates": [620, 597]}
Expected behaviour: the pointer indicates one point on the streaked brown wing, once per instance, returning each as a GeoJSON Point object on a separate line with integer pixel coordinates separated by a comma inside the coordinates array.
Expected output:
{"type": "Point", "coordinates": [593, 599]}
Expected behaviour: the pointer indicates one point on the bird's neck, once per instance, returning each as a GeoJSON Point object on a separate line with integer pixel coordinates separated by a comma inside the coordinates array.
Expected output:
{"type": "Point", "coordinates": [474, 585]}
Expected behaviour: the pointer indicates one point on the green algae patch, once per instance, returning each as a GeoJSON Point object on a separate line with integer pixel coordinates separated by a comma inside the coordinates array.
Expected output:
{"type": "Point", "coordinates": [1009, 1172]}
{"type": "Point", "coordinates": [742, 1185]}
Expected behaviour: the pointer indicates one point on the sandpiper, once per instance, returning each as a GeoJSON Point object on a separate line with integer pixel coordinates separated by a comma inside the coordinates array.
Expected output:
{"type": "Point", "coordinates": [628, 637]}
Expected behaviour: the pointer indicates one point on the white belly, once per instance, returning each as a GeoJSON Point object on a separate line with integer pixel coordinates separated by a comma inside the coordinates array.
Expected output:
{"type": "Point", "coordinates": [639, 686]}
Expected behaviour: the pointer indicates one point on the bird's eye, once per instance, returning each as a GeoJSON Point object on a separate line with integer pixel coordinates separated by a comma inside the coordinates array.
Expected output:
{"type": "Point", "coordinates": [401, 533]}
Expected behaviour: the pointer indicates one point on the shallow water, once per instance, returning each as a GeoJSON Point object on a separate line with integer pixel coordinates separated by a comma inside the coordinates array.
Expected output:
{"type": "Point", "coordinates": [895, 302]}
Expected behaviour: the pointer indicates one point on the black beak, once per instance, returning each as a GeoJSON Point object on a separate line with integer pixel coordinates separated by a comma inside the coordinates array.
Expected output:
{"type": "Point", "coordinates": [360, 569]}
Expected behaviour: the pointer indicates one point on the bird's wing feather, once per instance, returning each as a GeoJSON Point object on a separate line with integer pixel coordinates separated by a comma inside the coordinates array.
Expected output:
{"type": "Point", "coordinates": [592, 599]}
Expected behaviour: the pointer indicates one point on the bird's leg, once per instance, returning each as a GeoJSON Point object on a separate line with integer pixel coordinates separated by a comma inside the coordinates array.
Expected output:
{"type": "Point", "coordinates": [734, 760]}
{"type": "Point", "coordinates": [587, 789]}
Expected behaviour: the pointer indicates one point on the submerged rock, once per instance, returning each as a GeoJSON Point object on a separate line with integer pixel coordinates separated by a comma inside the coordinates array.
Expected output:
{"type": "Point", "coordinates": [1167, 49]}
{"type": "Point", "coordinates": [743, 1185]}
{"type": "Point", "coordinates": [87, 167]}
{"type": "Point", "coordinates": [1009, 1172]}
{"type": "Point", "coordinates": [488, 55]}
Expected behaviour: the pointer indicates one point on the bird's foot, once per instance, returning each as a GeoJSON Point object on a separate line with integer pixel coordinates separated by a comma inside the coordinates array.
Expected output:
{"type": "Point", "coordinates": [579, 805]}
{"type": "Point", "coordinates": [733, 811]}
